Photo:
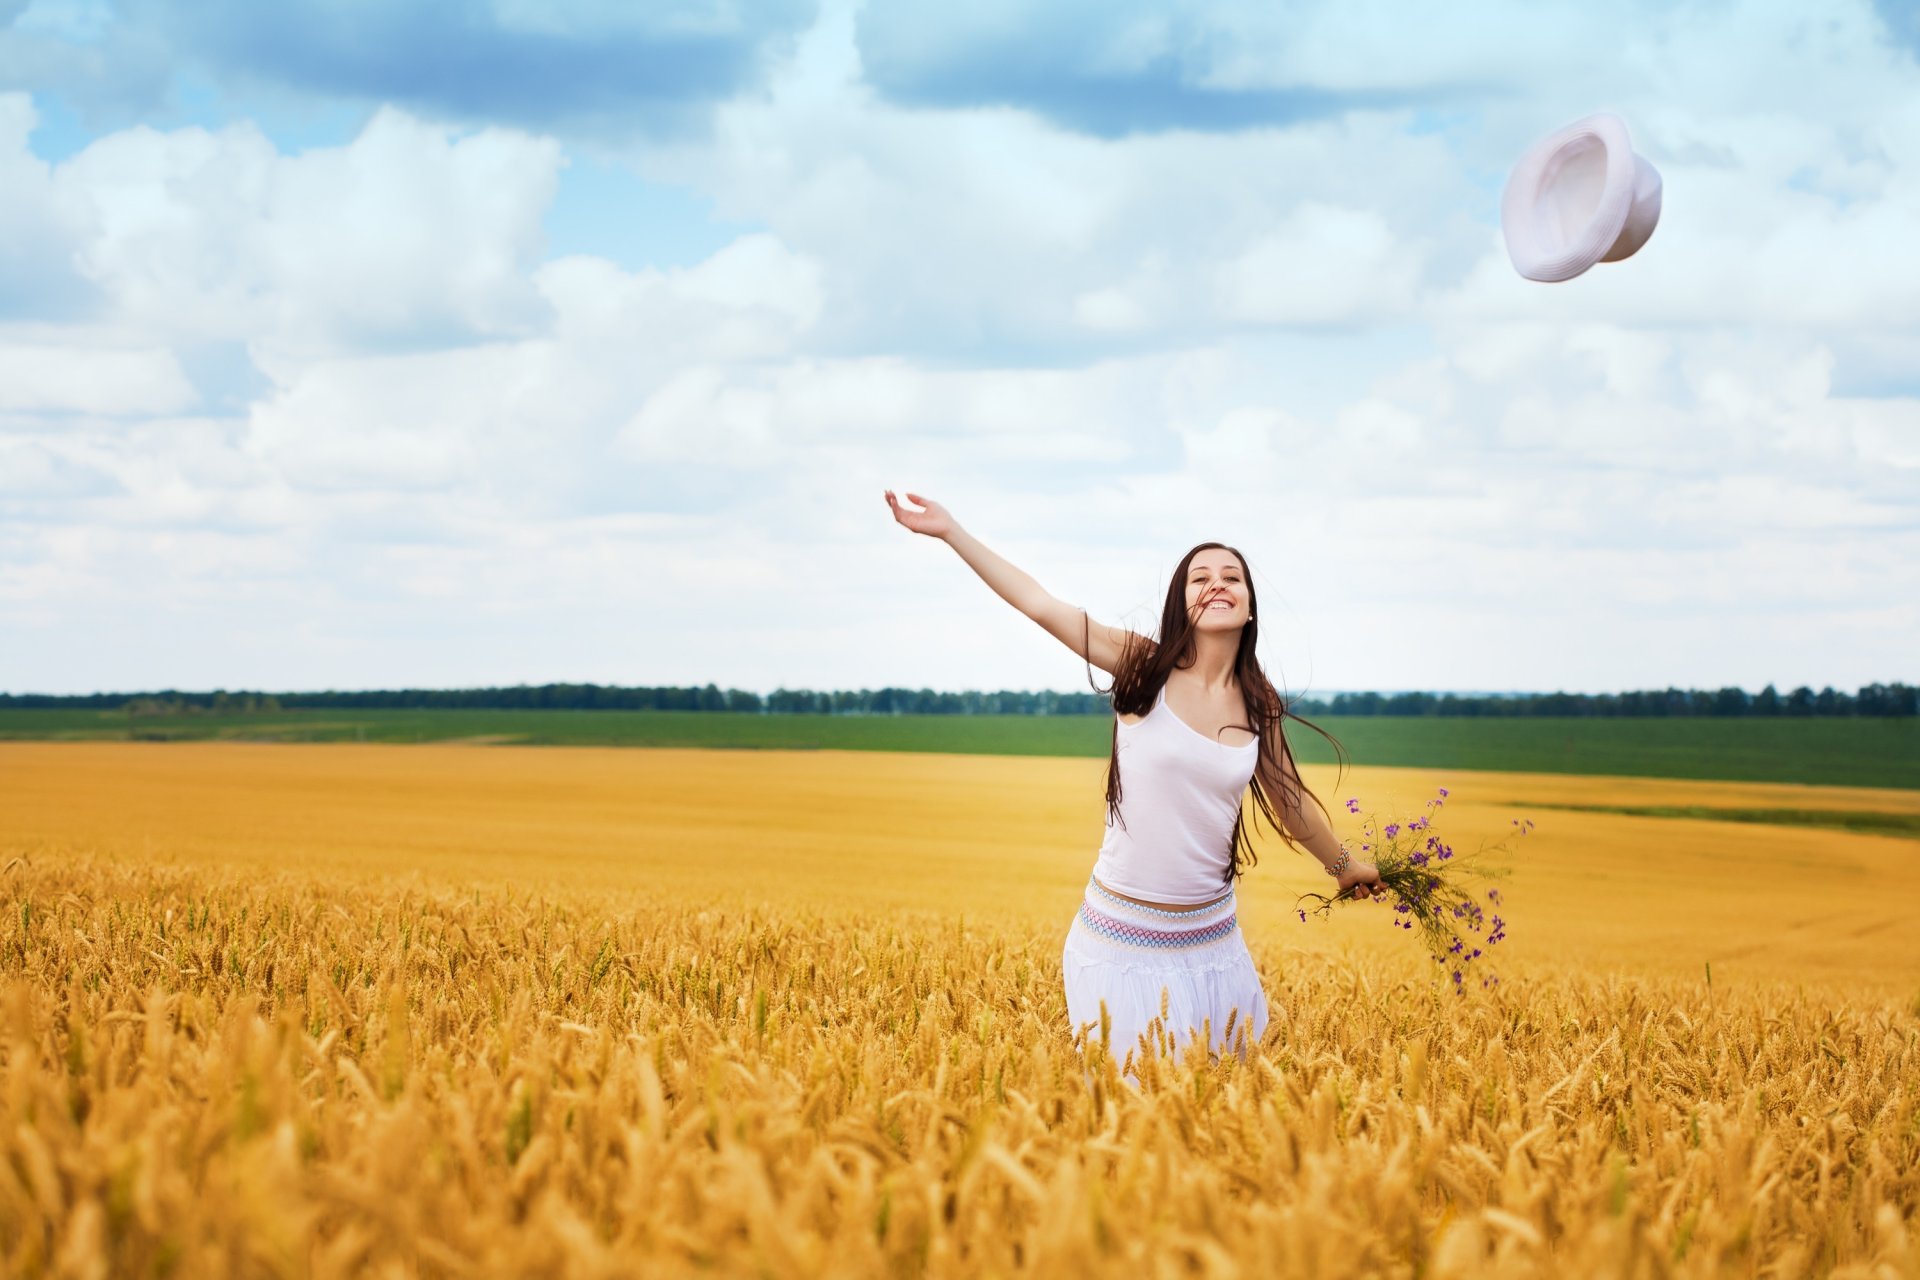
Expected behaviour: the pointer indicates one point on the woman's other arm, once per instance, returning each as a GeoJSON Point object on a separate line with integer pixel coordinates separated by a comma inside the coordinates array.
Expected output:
{"type": "Point", "coordinates": [1306, 822]}
{"type": "Point", "coordinates": [1102, 645]}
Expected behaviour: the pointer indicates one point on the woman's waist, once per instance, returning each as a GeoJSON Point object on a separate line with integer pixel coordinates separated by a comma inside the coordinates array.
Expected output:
{"type": "Point", "coordinates": [1135, 896]}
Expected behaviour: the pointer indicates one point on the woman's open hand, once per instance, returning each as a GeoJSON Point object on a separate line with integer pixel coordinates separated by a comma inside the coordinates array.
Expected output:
{"type": "Point", "coordinates": [934, 521]}
{"type": "Point", "coordinates": [1363, 878]}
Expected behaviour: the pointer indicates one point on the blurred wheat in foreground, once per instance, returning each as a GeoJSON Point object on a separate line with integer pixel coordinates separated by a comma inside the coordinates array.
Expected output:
{"type": "Point", "coordinates": [205, 1076]}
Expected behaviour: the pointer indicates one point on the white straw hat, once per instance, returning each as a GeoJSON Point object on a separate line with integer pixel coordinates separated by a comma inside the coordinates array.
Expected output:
{"type": "Point", "coordinates": [1577, 197]}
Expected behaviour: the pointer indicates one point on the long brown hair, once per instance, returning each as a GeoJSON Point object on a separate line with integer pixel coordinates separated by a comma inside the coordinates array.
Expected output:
{"type": "Point", "coordinates": [1142, 672]}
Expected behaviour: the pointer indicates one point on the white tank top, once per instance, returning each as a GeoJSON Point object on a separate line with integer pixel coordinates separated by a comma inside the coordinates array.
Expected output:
{"type": "Point", "coordinates": [1180, 793]}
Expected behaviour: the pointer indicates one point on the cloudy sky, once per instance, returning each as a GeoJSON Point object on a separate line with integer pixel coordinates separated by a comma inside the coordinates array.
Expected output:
{"type": "Point", "coordinates": [409, 342]}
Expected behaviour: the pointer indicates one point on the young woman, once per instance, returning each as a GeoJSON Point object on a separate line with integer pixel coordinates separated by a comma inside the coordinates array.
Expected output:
{"type": "Point", "coordinates": [1195, 723]}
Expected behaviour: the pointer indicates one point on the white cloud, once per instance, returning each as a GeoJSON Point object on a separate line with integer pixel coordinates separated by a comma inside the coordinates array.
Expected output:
{"type": "Point", "coordinates": [697, 415]}
{"type": "Point", "coordinates": [408, 234]}
{"type": "Point", "coordinates": [38, 470]}
{"type": "Point", "coordinates": [1322, 265]}
{"type": "Point", "coordinates": [757, 271]}
{"type": "Point", "coordinates": [36, 245]}
{"type": "Point", "coordinates": [400, 422]}
{"type": "Point", "coordinates": [988, 229]}
{"type": "Point", "coordinates": [1110, 310]}
{"type": "Point", "coordinates": [48, 378]}
{"type": "Point", "coordinates": [769, 416]}
{"type": "Point", "coordinates": [753, 299]}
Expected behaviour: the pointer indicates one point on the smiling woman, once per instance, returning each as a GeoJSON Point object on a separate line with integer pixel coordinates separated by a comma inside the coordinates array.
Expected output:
{"type": "Point", "coordinates": [1155, 956]}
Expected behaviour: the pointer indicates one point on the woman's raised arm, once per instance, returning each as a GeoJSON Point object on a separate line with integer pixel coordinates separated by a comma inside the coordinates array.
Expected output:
{"type": "Point", "coordinates": [1094, 641]}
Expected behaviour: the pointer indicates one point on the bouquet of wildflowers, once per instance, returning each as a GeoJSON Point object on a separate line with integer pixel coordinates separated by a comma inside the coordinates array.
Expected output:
{"type": "Point", "coordinates": [1427, 879]}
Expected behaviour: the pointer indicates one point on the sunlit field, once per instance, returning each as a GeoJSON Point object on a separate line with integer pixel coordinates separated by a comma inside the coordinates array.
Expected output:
{"type": "Point", "coordinates": [329, 1010]}
{"type": "Point", "coordinates": [990, 839]}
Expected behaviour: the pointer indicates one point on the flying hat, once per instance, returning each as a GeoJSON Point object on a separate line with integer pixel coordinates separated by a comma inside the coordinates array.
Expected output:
{"type": "Point", "coordinates": [1577, 197]}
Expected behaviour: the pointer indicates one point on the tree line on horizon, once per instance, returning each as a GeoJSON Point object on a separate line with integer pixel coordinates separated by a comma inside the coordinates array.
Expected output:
{"type": "Point", "coordinates": [1870, 700]}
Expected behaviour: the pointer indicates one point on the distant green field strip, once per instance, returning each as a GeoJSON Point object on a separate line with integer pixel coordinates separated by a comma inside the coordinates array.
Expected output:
{"type": "Point", "coordinates": [1828, 751]}
{"type": "Point", "coordinates": [1906, 825]}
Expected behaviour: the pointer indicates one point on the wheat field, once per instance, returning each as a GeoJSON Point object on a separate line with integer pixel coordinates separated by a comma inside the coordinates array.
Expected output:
{"type": "Point", "coordinates": [441, 1011]}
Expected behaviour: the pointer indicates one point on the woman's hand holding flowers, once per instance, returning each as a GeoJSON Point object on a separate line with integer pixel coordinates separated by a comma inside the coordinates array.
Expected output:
{"type": "Point", "coordinates": [1363, 878]}
{"type": "Point", "coordinates": [1422, 871]}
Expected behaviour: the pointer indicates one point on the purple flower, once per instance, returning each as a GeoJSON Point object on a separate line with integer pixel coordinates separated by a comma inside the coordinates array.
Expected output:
{"type": "Point", "coordinates": [1430, 895]}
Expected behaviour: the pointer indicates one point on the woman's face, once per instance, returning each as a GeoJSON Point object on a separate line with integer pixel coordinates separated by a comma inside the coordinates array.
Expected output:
{"type": "Point", "coordinates": [1216, 591]}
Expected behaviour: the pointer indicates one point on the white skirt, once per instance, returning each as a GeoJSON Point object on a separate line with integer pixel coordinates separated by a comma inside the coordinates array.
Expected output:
{"type": "Point", "coordinates": [1134, 958]}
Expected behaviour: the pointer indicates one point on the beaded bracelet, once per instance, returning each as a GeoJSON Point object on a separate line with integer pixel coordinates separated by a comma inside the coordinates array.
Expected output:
{"type": "Point", "coordinates": [1341, 864]}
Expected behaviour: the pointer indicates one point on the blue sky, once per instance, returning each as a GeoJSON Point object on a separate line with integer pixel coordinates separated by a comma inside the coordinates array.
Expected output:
{"type": "Point", "coordinates": [366, 345]}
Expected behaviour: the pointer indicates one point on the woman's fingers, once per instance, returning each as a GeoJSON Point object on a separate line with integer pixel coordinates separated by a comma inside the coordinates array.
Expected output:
{"type": "Point", "coordinates": [934, 521]}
